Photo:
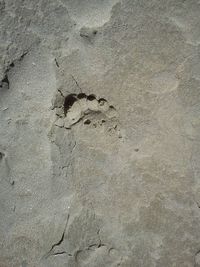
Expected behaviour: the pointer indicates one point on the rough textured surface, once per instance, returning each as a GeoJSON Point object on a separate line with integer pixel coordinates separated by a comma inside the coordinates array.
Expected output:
{"type": "Point", "coordinates": [100, 133]}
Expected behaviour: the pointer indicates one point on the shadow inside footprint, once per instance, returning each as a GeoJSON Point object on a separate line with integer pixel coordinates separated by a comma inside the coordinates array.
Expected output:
{"type": "Point", "coordinates": [69, 101]}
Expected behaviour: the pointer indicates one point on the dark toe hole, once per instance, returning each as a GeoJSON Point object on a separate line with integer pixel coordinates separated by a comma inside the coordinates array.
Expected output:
{"type": "Point", "coordinates": [102, 101]}
{"type": "Point", "coordinates": [87, 122]}
{"type": "Point", "coordinates": [81, 95]}
{"type": "Point", "coordinates": [69, 101]}
{"type": "Point", "coordinates": [91, 97]}
{"type": "Point", "coordinates": [111, 107]}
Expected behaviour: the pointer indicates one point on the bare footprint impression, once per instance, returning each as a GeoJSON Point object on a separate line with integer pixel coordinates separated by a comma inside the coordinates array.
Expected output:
{"type": "Point", "coordinates": [81, 107]}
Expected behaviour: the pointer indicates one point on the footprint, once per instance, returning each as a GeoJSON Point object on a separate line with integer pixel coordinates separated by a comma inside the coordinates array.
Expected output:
{"type": "Point", "coordinates": [77, 106]}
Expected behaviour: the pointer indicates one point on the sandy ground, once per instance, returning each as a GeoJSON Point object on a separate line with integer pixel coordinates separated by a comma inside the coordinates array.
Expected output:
{"type": "Point", "coordinates": [100, 133]}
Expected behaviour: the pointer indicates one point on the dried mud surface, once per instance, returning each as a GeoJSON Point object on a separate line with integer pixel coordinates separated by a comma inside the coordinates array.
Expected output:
{"type": "Point", "coordinates": [99, 133]}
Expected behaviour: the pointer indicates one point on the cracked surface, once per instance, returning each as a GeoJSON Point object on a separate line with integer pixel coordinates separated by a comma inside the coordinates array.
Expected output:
{"type": "Point", "coordinates": [100, 131]}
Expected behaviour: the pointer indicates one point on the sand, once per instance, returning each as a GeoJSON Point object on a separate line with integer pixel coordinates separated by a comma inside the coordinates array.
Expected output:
{"type": "Point", "coordinates": [100, 132]}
